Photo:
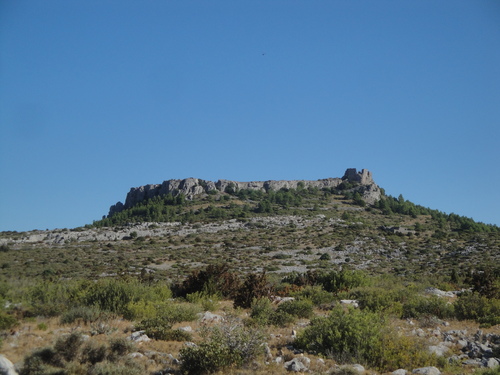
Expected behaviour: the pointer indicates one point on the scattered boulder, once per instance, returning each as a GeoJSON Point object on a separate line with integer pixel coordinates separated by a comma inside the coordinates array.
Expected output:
{"type": "Point", "coordinates": [350, 302]}
{"type": "Point", "coordinates": [440, 293]}
{"type": "Point", "coordinates": [438, 350]}
{"type": "Point", "coordinates": [400, 372]}
{"type": "Point", "coordinates": [360, 369]}
{"type": "Point", "coordinates": [139, 336]}
{"type": "Point", "coordinates": [208, 317]}
{"type": "Point", "coordinates": [430, 370]}
{"type": "Point", "coordinates": [6, 366]}
{"type": "Point", "coordinates": [135, 355]}
{"type": "Point", "coordinates": [491, 362]}
{"type": "Point", "coordinates": [298, 364]}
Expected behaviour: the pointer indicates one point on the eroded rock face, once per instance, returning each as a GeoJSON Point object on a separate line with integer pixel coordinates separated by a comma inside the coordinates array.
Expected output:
{"type": "Point", "coordinates": [191, 187]}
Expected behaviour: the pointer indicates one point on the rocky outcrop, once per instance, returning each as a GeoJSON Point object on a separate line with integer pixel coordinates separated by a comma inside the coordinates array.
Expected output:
{"type": "Point", "coordinates": [192, 187]}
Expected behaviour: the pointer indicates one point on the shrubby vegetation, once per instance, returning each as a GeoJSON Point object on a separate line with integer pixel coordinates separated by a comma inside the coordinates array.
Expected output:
{"type": "Point", "coordinates": [390, 205]}
{"type": "Point", "coordinates": [347, 335]}
{"type": "Point", "coordinates": [71, 354]}
{"type": "Point", "coordinates": [228, 345]}
{"type": "Point", "coordinates": [164, 290]}
{"type": "Point", "coordinates": [362, 336]}
{"type": "Point", "coordinates": [264, 313]}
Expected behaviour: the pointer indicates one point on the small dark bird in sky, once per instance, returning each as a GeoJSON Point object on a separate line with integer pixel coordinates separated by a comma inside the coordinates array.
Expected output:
{"type": "Point", "coordinates": [263, 53]}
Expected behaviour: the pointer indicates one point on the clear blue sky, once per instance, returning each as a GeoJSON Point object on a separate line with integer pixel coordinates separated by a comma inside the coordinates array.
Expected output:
{"type": "Point", "coordinates": [97, 97]}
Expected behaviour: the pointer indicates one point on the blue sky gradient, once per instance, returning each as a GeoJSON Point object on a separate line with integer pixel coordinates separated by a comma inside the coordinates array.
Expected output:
{"type": "Point", "coordinates": [97, 97]}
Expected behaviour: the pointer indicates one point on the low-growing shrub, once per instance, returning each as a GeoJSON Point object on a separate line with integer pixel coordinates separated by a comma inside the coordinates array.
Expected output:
{"type": "Point", "coordinates": [206, 301]}
{"type": "Point", "coordinates": [395, 351]}
{"type": "Point", "coordinates": [178, 312]}
{"type": "Point", "coordinates": [254, 286]}
{"type": "Point", "coordinates": [378, 299]}
{"type": "Point", "coordinates": [41, 361]}
{"type": "Point", "coordinates": [173, 312]}
{"type": "Point", "coordinates": [120, 346]}
{"type": "Point", "coordinates": [7, 321]}
{"type": "Point", "coordinates": [176, 335]}
{"type": "Point", "coordinates": [362, 336]}
{"type": "Point", "coordinates": [343, 335]}
{"type": "Point", "coordinates": [159, 327]}
{"type": "Point", "coordinates": [421, 306]}
{"type": "Point", "coordinates": [261, 311]}
{"type": "Point", "coordinates": [142, 309]}
{"type": "Point", "coordinates": [281, 318]}
{"type": "Point", "coordinates": [490, 371]}
{"type": "Point", "coordinates": [52, 298]}
{"type": "Point", "coordinates": [299, 308]}
{"type": "Point", "coordinates": [215, 279]}
{"type": "Point", "coordinates": [68, 346]}
{"type": "Point", "coordinates": [85, 314]}
{"type": "Point", "coordinates": [115, 295]}
{"type": "Point", "coordinates": [316, 294]}
{"type": "Point", "coordinates": [264, 313]}
{"type": "Point", "coordinates": [230, 345]}
{"type": "Point", "coordinates": [156, 328]}
{"type": "Point", "coordinates": [477, 307]}
{"type": "Point", "coordinates": [111, 368]}
{"type": "Point", "coordinates": [93, 352]}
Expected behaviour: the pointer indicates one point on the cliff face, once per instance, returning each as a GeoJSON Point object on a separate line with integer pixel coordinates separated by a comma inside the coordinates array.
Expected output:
{"type": "Point", "coordinates": [192, 187]}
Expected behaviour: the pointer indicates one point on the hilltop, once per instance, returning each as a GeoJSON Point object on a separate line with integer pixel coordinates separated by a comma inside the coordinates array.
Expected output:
{"type": "Point", "coordinates": [191, 188]}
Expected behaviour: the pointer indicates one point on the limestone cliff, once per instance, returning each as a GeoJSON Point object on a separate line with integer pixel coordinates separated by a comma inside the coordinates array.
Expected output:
{"type": "Point", "coordinates": [192, 187]}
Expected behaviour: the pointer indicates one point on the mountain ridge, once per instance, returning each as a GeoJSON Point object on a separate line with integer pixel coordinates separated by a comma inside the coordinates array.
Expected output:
{"type": "Point", "coordinates": [191, 187]}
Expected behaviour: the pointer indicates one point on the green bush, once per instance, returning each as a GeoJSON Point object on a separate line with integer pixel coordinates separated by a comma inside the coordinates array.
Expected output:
{"type": "Point", "coordinates": [111, 295]}
{"type": "Point", "coordinates": [156, 328]}
{"type": "Point", "coordinates": [159, 327]}
{"type": "Point", "coordinates": [261, 311]}
{"type": "Point", "coordinates": [226, 346]}
{"type": "Point", "coordinates": [281, 318]}
{"type": "Point", "coordinates": [176, 335]}
{"type": "Point", "coordinates": [85, 314]}
{"type": "Point", "coordinates": [343, 335]}
{"type": "Point", "coordinates": [114, 295]}
{"type": "Point", "coordinates": [142, 309]}
{"type": "Point", "coordinates": [179, 312]}
{"type": "Point", "coordinates": [68, 346]}
{"type": "Point", "coordinates": [52, 298]}
{"type": "Point", "coordinates": [378, 299]}
{"type": "Point", "coordinates": [41, 361]}
{"type": "Point", "coordinates": [421, 306]}
{"type": "Point", "coordinates": [93, 352]}
{"type": "Point", "coordinates": [7, 321]}
{"type": "Point", "coordinates": [110, 368]}
{"type": "Point", "coordinates": [477, 307]}
{"type": "Point", "coordinates": [208, 357]}
{"type": "Point", "coordinates": [491, 371]}
{"type": "Point", "coordinates": [342, 281]}
{"type": "Point", "coordinates": [206, 301]}
{"type": "Point", "coordinates": [120, 346]}
{"type": "Point", "coordinates": [299, 308]}
{"type": "Point", "coordinates": [394, 351]}
{"type": "Point", "coordinates": [316, 294]}
{"type": "Point", "coordinates": [362, 336]}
